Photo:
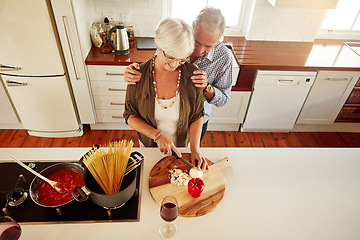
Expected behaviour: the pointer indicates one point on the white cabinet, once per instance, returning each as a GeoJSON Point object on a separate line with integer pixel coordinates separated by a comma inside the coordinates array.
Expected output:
{"type": "Point", "coordinates": [109, 90]}
{"type": "Point", "coordinates": [7, 113]}
{"type": "Point", "coordinates": [75, 41]}
{"type": "Point", "coordinates": [327, 96]}
{"type": "Point", "coordinates": [230, 116]}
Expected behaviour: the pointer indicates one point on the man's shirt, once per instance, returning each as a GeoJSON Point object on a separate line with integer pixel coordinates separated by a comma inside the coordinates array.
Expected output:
{"type": "Point", "coordinates": [218, 66]}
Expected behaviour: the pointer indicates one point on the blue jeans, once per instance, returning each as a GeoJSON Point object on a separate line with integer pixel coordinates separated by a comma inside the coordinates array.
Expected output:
{"type": "Point", "coordinates": [205, 125]}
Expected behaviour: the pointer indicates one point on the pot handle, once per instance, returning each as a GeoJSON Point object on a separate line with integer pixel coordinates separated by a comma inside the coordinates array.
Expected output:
{"type": "Point", "coordinates": [83, 194]}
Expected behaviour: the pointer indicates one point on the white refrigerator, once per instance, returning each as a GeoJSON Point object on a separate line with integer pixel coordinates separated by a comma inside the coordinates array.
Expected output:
{"type": "Point", "coordinates": [33, 71]}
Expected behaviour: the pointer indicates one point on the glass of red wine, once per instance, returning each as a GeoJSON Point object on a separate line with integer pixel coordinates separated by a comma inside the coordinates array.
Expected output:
{"type": "Point", "coordinates": [168, 211]}
{"type": "Point", "coordinates": [9, 229]}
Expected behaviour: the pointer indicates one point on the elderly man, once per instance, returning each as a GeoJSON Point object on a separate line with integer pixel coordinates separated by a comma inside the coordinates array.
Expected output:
{"type": "Point", "coordinates": [211, 56]}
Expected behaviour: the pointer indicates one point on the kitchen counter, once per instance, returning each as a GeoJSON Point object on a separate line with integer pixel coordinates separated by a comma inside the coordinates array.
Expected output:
{"type": "Point", "coordinates": [271, 193]}
{"type": "Point", "coordinates": [267, 55]}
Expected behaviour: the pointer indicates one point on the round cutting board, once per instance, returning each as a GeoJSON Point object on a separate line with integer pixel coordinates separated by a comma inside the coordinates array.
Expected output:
{"type": "Point", "coordinates": [160, 186]}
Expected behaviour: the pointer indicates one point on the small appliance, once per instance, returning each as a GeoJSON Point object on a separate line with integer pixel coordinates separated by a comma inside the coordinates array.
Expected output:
{"type": "Point", "coordinates": [119, 41]}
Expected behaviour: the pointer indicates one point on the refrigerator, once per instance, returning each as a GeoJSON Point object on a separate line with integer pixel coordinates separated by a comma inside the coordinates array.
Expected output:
{"type": "Point", "coordinates": [33, 72]}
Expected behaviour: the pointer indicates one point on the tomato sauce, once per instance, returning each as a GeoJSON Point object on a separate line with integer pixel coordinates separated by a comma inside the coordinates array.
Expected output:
{"type": "Point", "coordinates": [50, 197]}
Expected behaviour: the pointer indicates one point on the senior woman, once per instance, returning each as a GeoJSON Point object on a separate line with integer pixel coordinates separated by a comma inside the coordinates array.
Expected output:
{"type": "Point", "coordinates": [165, 107]}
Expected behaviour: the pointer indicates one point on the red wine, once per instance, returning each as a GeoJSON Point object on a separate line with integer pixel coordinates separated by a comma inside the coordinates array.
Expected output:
{"type": "Point", "coordinates": [11, 232]}
{"type": "Point", "coordinates": [169, 212]}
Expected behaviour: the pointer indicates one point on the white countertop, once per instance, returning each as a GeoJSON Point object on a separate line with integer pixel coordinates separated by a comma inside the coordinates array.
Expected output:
{"type": "Point", "coordinates": [271, 194]}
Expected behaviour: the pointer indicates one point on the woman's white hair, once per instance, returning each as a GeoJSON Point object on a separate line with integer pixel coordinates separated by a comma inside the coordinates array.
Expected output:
{"type": "Point", "coordinates": [175, 37]}
{"type": "Point", "coordinates": [211, 19]}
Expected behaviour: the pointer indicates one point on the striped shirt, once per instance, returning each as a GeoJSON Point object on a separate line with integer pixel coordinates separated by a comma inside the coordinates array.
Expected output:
{"type": "Point", "coordinates": [218, 66]}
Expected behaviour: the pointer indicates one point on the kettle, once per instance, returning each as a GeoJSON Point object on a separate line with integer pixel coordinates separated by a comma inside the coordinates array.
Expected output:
{"type": "Point", "coordinates": [120, 40]}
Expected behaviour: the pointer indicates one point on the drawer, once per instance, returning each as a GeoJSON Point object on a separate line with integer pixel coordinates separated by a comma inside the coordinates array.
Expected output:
{"type": "Point", "coordinates": [354, 97]}
{"type": "Point", "coordinates": [111, 115]}
{"type": "Point", "coordinates": [349, 114]}
{"type": "Point", "coordinates": [106, 73]}
{"type": "Point", "coordinates": [108, 88]}
{"type": "Point", "coordinates": [110, 102]}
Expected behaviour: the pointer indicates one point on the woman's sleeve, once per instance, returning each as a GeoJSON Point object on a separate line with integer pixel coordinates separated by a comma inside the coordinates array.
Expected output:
{"type": "Point", "coordinates": [130, 103]}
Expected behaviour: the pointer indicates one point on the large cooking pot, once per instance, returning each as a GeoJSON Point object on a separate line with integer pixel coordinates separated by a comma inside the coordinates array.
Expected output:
{"type": "Point", "coordinates": [37, 182]}
{"type": "Point", "coordinates": [92, 190]}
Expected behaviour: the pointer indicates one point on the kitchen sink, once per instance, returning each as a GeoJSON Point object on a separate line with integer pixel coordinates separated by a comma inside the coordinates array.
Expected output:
{"type": "Point", "coordinates": [355, 46]}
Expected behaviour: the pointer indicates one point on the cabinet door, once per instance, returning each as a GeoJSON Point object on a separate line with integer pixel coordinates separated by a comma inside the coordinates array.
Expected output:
{"type": "Point", "coordinates": [327, 96]}
{"type": "Point", "coordinates": [230, 116]}
{"type": "Point", "coordinates": [71, 32]}
{"type": "Point", "coordinates": [7, 113]}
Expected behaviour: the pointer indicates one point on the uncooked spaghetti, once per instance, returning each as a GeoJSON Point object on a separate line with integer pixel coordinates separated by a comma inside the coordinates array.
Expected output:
{"type": "Point", "coordinates": [108, 166]}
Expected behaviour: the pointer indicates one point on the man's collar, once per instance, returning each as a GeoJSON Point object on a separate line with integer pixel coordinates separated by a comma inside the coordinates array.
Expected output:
{"type": "Point", "coordinates": [211, 55]}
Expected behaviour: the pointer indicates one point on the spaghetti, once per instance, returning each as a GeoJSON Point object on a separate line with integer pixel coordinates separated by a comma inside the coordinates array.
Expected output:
{"type": "Point", "coordinates": [108, 167]}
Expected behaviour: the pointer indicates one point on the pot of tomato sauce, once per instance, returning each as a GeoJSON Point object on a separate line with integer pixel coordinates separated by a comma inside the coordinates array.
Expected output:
{"type": "Point", "coordinates": [69, 174]}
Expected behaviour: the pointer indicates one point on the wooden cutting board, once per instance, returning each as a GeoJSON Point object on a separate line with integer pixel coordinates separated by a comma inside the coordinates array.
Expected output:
{"type": "Point", "coordinates": [160, 186]}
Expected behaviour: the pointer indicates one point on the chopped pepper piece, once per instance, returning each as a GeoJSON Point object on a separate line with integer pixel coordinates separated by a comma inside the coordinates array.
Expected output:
{"type": "Point", "coordinates": [195, 187]}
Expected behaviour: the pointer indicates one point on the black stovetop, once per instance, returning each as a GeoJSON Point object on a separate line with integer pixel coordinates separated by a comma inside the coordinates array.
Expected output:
{"type": "Point", "coordinates": [73, 212]}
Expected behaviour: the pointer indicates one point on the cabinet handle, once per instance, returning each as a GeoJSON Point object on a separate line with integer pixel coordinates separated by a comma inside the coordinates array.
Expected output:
{"type": "Point", "coordinates": [115, 89]}
{"type": "Point", "coordinates": [15, 83]}
{"type": "Point", "coordinates": [114, 74]}
{"type": "Point", "coordinates": [285, 80]}
{"type": "Point", "coordinates": [356, 111]}
{"type": "Point", "coordinates": [9, 67]}
{"type": "Point", "coordinates": [114, 103]}
{"type": "Point", "coordinates": [117, 117]}
{"type": "Point", "coordinates": [70, 49]}
{"type": "Point", "coordinates": [336, 79]}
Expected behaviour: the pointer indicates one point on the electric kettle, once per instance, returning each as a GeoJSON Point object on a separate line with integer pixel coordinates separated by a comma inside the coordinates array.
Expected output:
{"type": "Point", "coordinates": [120, 41]}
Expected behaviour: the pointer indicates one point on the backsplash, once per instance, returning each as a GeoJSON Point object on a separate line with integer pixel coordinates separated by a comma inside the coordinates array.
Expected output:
{"type": "Point", "coordinates": [143, 15]}
{"type": "Point", "coordinates": [284, 24]}
{"type": "Point", "coordinates": [267, 22]}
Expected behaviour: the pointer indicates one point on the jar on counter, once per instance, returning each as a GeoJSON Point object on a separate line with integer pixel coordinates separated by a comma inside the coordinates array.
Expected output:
{"type": "Point", "coordinates": [131, 36]}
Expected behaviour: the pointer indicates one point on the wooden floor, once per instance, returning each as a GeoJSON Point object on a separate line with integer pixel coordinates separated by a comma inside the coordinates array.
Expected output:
{"type": "Point", "coordinates": [15, 138]}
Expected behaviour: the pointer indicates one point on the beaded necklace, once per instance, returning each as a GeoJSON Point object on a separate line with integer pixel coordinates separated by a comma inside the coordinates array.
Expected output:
{"type": "Point", "coordinates": [155, 88]}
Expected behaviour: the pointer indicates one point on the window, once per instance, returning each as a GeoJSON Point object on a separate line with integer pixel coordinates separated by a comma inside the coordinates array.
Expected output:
{"type": "Point", "coordinates": [231, 9]}
{"type": "Point", "coordinates": [343, 21]}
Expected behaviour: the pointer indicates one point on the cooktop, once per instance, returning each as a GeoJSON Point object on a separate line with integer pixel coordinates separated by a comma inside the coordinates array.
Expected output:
{"type": "Point", "coordinates": [72, 212]}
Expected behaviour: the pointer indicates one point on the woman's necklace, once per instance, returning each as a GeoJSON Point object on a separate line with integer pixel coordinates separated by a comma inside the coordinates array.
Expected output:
{"type": "Point", "coordinates": [155, 88]}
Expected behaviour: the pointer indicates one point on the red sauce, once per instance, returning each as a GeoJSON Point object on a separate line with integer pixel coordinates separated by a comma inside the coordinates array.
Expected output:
{"type": "Point", "coordinates": [50, 197]}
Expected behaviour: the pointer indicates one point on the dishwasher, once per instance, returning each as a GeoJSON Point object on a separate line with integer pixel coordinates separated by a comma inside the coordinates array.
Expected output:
{"type": "Point", "coordinates": [276, 100]}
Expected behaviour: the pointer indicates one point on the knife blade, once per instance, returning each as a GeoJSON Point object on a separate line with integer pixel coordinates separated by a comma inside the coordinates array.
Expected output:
{"type": "Point", "coordinates": [184, 160]}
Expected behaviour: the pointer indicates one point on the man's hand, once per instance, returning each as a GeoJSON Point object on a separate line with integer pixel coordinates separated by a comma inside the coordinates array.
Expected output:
{"type": "Point", "coordinates": [131, 74]}
{"type": "Point", "coordinates": [199, 79]}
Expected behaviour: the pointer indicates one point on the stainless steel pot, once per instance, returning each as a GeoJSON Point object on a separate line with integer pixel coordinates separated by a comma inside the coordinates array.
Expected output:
{"type": "Point", "coordinates": [36, 182]}
{"type": "Point", "coordinates": [93, 191]}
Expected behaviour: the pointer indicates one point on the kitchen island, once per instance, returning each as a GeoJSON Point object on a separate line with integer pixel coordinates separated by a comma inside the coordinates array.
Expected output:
{"type": "Point", "coordinates": [271, 193]}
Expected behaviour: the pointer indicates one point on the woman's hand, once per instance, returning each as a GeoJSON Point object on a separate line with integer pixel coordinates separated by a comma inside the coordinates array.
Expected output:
{"type": "Point", "coordinates": [165, 145]}
{"type": "Point", "coordinates": [199, 160]}
{"type": "Point", "coordinates": [131, 73]}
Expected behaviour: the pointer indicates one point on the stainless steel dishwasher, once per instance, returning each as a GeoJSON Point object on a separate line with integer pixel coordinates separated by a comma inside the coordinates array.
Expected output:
{"type": "Point", "coordinates": [276, 100]}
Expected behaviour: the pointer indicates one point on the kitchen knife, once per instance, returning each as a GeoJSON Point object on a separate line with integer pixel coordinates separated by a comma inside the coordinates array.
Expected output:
{"type": "Point", "coordinates": [184, 160]}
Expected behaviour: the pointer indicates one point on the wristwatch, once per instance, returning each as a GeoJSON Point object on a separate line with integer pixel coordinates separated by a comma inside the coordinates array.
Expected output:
{"type": "Point", "coordinates": [208, 88]}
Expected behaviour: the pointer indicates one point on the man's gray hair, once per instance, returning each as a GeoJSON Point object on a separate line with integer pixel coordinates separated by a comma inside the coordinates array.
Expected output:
{"type": "Point", "coordinates": [211, 19]}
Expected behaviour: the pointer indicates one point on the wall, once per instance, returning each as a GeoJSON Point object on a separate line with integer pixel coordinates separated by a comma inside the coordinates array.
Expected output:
{"type": "Point", "coordinates": [265, 22]}
{"type": "Point", "coordinates": [144, 15]}
{"type": "Point", "coordinates": [284, 24]}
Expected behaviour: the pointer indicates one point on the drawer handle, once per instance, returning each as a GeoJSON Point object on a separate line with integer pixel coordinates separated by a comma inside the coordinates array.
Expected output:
{"type": "Point", "coordinates": [115, 103]}
{"type": "Point", "coordinates": [356, 111]}
{"type": "Point", "coordinates": [286, 80]}
{"type": "Point", "coordinates": [336, 79]}
{"type": "Point", "coordinates": [114, 74]}
{"type": "Point", "coordinates": [117, 117]}
{"type": "Point", "coordinates": [15, 83]}
{"type": "Point", "coordinates": [115, 89]}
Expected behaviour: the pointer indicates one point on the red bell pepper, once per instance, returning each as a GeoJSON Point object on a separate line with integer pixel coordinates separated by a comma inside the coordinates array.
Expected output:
{"type": "Point", "coordinates": [195, 187]}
